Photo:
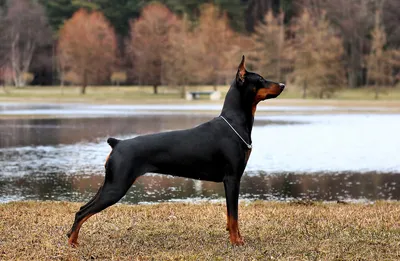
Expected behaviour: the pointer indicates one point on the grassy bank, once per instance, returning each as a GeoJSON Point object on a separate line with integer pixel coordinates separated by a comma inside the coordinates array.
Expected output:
{"type": "Point", "coordinates": [144, 94]}
{"type": "Point", "coordinates": [283, 231]}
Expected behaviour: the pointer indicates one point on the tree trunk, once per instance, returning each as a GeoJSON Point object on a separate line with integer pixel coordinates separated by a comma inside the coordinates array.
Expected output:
{"type": "Point", "coordinates": [352, 80]}
{"type": "Point", "coordinates": [376, 91]}
{"type": "Point", "coordinates": [83, 90]}
{"type": "Point", "coordinates": [4, 88]}
{"type": "Point", "coordinates": [183, 91]}
{"type": "Point", "coordinates": [62, 80]}
{"type": "Point", "coordinates": [305, 89]}
{"type": "Point", "coordinates": [215, 87]}
{"type": "Point", "coordinates": [155, 89]}
{"type": "Point", "coordinates": [321, 94]}
{"type": "Point", "coordinates": [84, 83]}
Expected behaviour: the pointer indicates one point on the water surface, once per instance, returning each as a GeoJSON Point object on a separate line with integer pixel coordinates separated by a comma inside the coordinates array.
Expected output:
{"type": "Point", "coordinates": [326, 157]}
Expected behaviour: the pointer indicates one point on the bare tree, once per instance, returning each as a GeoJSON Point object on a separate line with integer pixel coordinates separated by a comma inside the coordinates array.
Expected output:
{"type": "Point", "coordinates": [391, 21]}
{"type": "Point", "coordinates": [2, 52]}
{"type": "Point", "coordinates": [27, 29]}
{"type": "Point", "coordinates": [354, 19]}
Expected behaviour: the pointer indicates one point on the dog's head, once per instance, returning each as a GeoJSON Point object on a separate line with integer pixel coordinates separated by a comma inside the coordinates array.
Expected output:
{"type": "Point", "coordinates": [254, 87]}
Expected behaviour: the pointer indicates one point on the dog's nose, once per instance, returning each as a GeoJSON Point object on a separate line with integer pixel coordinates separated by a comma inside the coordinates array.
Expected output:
{"type": "Point", "coordinates": [282, 86]}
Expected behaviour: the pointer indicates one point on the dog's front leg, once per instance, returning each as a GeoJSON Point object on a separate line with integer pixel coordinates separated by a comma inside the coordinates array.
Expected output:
{"type": "Point", "coordinates": [232, 186]}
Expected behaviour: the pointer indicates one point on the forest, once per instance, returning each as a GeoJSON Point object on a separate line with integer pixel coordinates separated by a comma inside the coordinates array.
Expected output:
{"type": "Point", "coordinates": [319, 46]}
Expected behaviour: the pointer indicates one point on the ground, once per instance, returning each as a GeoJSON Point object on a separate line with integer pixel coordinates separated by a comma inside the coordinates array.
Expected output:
{"type": "Point", "coordinates": [178, 231]}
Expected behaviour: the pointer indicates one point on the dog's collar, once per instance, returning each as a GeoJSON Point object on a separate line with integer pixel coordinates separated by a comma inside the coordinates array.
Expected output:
{"type": "Point", "coordinates": [249, 146]}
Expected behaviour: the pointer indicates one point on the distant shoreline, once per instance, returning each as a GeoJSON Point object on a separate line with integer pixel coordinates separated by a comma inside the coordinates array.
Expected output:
{"type": "Point", "coordinates": [201, 107]}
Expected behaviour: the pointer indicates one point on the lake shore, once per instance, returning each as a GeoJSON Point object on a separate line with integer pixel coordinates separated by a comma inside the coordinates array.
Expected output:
{"type": "Point", "coordinates": [274, 107]}
{"type": "Point", "coordinates": [282, 231]}
{"type": "Point", "coordinates": [357, 101]}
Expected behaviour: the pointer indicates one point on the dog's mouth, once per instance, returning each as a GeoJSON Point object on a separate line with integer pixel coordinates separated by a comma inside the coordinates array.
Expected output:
{"type": "Point", "coordinates": [271, 96]}
{"type": "Point", "coordinates": [274, 91]}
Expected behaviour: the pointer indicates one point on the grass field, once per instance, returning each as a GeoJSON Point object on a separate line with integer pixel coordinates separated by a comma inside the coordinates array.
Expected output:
{"type": "Point", "coordinates": [144, 94]}
{"type": "Point", "coordinates": [272, 231]}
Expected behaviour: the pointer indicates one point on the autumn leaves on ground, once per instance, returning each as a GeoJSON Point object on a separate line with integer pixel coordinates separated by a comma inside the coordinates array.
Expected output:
{"type": "Point", "coordinates": [283, 231]}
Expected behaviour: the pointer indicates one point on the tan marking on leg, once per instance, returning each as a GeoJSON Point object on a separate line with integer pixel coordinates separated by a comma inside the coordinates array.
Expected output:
{"type": "Point", "coordinates": [73, 238]}
{"type": "Point", "coordinates": [234, 234]}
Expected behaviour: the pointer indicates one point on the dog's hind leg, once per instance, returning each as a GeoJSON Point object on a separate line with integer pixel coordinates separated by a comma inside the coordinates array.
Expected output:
{"type": "Point", "coordinates": [93, 199]}
{"type": "Point", "coordinates": [98, 191]}
{"type": "Point", "coordinates": [109, 194]}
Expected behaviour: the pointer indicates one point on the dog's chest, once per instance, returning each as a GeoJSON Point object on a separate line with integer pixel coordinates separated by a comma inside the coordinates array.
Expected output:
{"type": "Point", "coordinates": [247, 156]}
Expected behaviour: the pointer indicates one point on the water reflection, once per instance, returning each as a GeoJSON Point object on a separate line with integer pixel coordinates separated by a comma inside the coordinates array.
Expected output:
{"type": "Point", "coordinates": [33, 132]}
{"type": "Point", "coordinates": [331, 157]}
{"type": "Point", "coordinates": [158, 188]}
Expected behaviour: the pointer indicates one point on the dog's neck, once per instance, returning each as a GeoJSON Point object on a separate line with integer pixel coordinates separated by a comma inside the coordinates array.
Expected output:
{"type": "Point", "coordinates": [238, 112]}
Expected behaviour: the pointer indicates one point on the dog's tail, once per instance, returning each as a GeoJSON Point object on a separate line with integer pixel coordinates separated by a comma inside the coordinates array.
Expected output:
{"type": "Point", "coordinates": [113, 142]}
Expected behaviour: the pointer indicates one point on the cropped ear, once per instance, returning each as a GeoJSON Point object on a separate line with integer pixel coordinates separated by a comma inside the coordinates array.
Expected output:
{"type": "Point", "coordinates": [241, 72]}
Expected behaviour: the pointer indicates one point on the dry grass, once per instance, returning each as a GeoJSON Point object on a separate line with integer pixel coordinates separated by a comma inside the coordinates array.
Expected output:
{"type": "Point", "coordinates": [283, 231]}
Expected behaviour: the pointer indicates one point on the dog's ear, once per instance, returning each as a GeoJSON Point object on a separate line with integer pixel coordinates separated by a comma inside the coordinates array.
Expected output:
{"type": "Point", "coordinates": [241, 72]}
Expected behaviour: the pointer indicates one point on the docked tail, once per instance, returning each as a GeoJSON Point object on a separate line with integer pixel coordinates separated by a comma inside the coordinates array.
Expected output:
{"type": "Point", "coordinates": [113, 142]}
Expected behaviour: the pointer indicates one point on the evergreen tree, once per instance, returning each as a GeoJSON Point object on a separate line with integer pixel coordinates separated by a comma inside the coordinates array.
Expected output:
{"type": "Point", "coordinates": [119, 12]}
{"type": "Point", "coordinates": [234, 9]}
{"type": "Point", "coordinates": [87, 4]}
{"type": "Point", "coordinates": [58, 11]}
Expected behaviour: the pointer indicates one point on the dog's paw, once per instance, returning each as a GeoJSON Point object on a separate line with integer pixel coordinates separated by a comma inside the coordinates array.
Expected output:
{"type": "Point", "coordinates": [73, 242]}
{"type": "Point", "coordinates": [237, 241]}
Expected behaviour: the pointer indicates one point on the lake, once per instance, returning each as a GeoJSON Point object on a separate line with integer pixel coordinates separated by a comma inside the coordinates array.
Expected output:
{"type": "Point", "coordinates": [301, 155]}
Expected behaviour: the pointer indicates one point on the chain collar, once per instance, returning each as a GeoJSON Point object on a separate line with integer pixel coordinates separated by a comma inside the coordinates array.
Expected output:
{"type": "Point", "coordinates": [249, 146]}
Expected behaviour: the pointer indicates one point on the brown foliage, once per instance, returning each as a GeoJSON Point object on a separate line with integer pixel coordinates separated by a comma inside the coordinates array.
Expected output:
{"type": "Point", "coordinates": [267, 56]}
{"type": "Point", "coordinates": [317, 54]}
{"type": "Point", "coordinates": [218, 46]}
{"type": "Point", "coordinates": [149, 42]}
{"type": "Point", "coordinates": [166, 50]}
{"type": "Point", "coordinates": [182, 59]}
{"type": "Point", "coordinates": [87, 48]}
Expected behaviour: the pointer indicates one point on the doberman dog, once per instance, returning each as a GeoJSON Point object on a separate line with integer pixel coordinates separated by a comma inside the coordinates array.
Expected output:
{"type": "Point", "coordinates": [217, 151]}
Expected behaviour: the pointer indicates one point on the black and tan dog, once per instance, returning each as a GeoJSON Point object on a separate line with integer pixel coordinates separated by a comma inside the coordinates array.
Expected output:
{"type": "Point", "coordinates": [217, 151]}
